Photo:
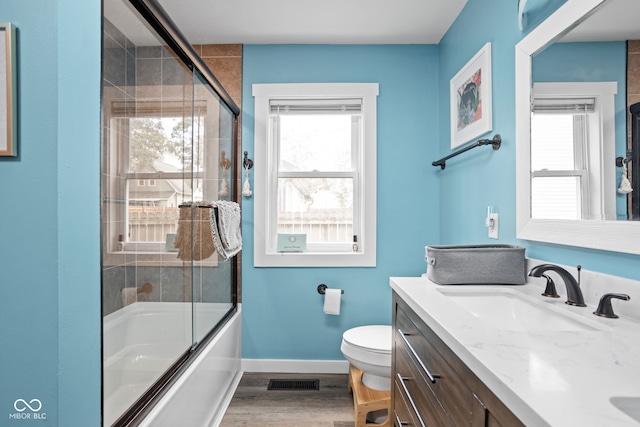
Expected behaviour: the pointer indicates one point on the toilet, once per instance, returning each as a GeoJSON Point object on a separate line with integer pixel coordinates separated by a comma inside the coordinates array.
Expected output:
{"type": "Point", "coordinates": [368, 348]}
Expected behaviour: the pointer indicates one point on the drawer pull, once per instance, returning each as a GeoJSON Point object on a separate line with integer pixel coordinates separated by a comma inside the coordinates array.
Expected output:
{"type": "Point", "coordinates": [432, 377]}
{"type": "Point", "coordinates": [400, 423]}
{"type": "Point", "coordinates": [406, 391]}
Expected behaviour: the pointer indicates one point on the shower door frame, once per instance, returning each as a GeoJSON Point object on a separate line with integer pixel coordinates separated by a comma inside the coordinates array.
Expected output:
{"type": "Point", "coordinates": [159, 20]}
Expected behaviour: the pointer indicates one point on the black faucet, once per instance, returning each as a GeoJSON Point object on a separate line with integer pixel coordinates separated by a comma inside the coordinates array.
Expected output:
{"type": "Point", "coordinates": [574, 294]}
{"type": "Point", "coordinates": [604, 307]}
{"type": "Point", "coordinates": [550, 289]}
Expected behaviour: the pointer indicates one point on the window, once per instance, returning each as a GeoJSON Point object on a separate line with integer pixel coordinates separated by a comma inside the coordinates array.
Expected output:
{"type": "Point", "coordinates": [571, 136]}
{"type": "Point", "coordinates": [156, 151]}
{"type": "Point", "coordinates": [162, 157]}
{"type": "Point", "coordinates": [315, 147]}
{"type": "Point", "coordinates": [559, 180]}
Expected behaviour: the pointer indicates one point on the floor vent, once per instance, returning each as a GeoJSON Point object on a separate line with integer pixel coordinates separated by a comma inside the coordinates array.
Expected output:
{"type": "Point", "coordinates": [294, 385]}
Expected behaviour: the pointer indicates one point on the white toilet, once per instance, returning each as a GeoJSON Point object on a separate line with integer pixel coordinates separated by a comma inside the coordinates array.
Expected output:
{"type": "Point", "coordinates": [369, 348]}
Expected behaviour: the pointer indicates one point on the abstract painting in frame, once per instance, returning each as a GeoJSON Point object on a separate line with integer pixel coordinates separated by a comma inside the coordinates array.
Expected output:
{"type": "Point", "coordinates": [8, 107]}
{"type": "Point", "coordinates": [470, 91]}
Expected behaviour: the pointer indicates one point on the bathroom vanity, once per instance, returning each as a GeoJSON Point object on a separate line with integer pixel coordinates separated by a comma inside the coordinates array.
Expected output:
{"type": "Point", "coordinates": [432, 384]}
{"type": "Point", "coordinates": [506, 356]}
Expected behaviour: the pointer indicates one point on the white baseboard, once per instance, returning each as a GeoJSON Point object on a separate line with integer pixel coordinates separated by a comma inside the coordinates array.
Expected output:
{"type": "Point", "coordinates": [295, 366]}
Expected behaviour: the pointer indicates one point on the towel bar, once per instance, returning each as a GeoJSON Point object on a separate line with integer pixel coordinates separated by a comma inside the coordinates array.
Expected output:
{"type": "Point", "coordinates": [495, 143]}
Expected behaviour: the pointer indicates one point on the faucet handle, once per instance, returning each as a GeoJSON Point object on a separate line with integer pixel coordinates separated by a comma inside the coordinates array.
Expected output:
{"type": "Point", "coordinates": [550, 289]}
{"type": "Point", "coordinates": [604, 307]}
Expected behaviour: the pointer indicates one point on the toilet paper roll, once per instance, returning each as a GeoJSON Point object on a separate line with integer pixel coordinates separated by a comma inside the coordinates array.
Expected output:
{"type": "Point", "coordinates": [332, 301]}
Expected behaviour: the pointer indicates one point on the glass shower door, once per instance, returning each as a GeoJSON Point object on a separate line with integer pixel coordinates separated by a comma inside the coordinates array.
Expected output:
{"type": "Point", "coordinates": [213, 135]}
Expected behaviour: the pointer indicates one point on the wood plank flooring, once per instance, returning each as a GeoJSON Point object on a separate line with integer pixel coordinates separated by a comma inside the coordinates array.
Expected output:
{"type": "Point", "coordinates": [253, 405]}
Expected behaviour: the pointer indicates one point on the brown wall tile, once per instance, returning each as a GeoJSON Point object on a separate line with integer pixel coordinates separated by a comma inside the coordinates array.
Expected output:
{"type": "Point", "coordinates": [633, 46]}
{"type": "Point", "coordinates": [633, 99]}
{"type": "Point", "coordinates": [633, 73]}
{"type": "Point", "coordinates": [215, 50]}
{"type": "Point", "coordinates": [229, 72]}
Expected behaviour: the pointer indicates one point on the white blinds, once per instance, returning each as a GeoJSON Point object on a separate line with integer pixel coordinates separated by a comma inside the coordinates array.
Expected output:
{"type": "Point", "coordinates": [315, 106]}
{"type": "Point", "coordinates": [563, 105]}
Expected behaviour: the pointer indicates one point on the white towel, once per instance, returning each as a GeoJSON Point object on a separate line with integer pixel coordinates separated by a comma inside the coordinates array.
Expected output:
{"type": "Point", "coordinates": [225, 228]}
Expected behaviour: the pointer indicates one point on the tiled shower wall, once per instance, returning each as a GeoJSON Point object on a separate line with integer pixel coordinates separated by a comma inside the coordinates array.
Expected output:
{"type": "Point", "coordinates": [126, 66]}
{"type": "Point", "coordinates": [225, 60]}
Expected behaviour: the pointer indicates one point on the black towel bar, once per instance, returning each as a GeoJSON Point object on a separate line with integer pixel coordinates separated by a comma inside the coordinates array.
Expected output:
{"type": "Point", "coordinates": [495, 143]}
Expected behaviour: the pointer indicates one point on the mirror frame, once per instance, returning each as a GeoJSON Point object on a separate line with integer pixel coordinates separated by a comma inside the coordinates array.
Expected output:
{"type": "Point", "coordinates": [616, 236]}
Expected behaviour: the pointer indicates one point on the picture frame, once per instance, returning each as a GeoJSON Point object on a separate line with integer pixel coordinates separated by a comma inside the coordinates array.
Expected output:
{"type": "Point", "coordinates": [8, 88]}
{"type": "Point", "coordinates": [470, 91]}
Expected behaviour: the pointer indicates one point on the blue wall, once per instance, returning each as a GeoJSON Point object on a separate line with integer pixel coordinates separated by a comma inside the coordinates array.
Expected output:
{"type": "Point", "coordinates": [49, 298]}
{"type": "Point", "coordinates": [480, 179]}
{"type": "Point", "coordinates": [283, 317]}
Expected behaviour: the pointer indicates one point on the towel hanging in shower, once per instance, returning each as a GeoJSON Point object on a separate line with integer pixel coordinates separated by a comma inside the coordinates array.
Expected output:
{"type": "Point", "coordinates": [225, 228]}
{"type": "Point", "coordinates": [202, 242]}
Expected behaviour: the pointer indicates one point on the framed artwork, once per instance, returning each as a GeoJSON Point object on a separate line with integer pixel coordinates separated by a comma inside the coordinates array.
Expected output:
{"type": "Point", "coordinates": [470, 91]}
{"type": "Point", "coordinates": [8, 107]}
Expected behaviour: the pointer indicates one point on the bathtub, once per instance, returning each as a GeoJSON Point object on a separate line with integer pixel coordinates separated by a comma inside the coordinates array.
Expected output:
{"type": "Point", "coordinates": [143, 339]}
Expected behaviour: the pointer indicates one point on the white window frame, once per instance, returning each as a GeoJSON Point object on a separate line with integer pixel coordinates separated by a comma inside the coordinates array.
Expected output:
{"type": "Point", "coordinates": [601, 160]}
{"type": "Point", "coordinates": [266, 256]}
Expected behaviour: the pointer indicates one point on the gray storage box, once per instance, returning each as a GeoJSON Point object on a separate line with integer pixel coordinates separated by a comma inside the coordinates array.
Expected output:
{"type": "Point", "coordinates": [476, 264]}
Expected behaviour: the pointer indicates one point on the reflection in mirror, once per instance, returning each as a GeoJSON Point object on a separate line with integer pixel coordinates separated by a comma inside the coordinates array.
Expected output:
{"type": "Point", "coordinates": [572, 150]}
{"type": "Point", "coordinates": [633, 155]}
{"type": "Point", "coordinates": [580, 126]}
{"type": "Point", "coordinates": [576, 76]}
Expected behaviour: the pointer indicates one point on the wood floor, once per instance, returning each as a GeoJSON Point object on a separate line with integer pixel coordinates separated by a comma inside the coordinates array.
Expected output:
{"type": "Point", "coordinates": [255, 406]}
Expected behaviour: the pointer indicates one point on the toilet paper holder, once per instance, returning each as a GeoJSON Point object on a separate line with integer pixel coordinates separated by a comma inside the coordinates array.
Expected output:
{"type": "Point", "coordinates": [322, 288]}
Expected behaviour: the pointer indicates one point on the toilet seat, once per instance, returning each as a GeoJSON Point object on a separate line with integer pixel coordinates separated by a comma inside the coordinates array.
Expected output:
{"type": "Point", "coordinates": [368, 348]}
{"type": "Point", "coordinates": [372, 338]}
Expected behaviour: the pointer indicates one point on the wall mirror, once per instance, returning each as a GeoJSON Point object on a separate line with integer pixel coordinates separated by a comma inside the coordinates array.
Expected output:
{"type": "Point", "coordinates": [568, 64]}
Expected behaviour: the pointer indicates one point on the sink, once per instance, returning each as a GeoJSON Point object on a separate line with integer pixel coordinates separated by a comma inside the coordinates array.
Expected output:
{"type": "Point", "coordinates": [628, 405]}
{"type": "Point", "coordinates": [513, 311]}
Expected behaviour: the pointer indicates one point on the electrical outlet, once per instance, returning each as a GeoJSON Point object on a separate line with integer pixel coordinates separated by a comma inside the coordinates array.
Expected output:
{"type": "Point", "coordinates": [492, 219]}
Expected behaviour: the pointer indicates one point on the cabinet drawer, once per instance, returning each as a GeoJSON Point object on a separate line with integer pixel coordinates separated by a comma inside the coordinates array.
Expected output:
{"type": "Point", "coordinates": [416, 393]}
{"type": "Point", "coordinates": [403, 415]}
{"type": "Point", "coordinates": [447, 386]}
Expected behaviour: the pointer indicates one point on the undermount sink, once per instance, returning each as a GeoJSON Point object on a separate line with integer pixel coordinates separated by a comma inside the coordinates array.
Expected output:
{"type": "Point", "coordinates": [510, 310]}
{"type": "Point", "coordinates": [628, 405]}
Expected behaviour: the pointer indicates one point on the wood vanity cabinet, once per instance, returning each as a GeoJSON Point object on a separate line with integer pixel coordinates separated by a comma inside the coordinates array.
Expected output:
{"type": "Point", "coordinates": [431, 386]}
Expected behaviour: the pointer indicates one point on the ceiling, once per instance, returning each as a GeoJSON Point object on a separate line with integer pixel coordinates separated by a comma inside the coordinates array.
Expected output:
{"type": "Point", "coordinates": [615, 20]}
{"type": "Point", "coordinates": [305, 21]}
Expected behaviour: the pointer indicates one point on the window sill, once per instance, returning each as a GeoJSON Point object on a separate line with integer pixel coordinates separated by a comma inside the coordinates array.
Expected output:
{"type": "Point", "coordinates": [316, 259]}
{"type": "Point", "coordinates": [154, 259]}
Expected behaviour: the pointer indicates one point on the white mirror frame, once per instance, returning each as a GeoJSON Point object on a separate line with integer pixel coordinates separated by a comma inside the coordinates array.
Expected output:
{"type": "Point", "coordinates": [616, 236]}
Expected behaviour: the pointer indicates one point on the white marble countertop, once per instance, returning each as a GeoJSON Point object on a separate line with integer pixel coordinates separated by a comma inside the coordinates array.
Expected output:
{"type": "Point", "coordinates": [555, 378]}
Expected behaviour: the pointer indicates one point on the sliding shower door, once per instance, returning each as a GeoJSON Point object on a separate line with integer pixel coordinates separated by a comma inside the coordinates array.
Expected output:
{"type": "Point", "coordinates": [216, 168]}
{"type": "Point", "coordinates": [168, 145]}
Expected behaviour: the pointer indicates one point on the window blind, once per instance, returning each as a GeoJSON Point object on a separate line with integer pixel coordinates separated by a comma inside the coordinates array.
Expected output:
{"type": "Point", "coordinates": [563, 105]}
{"type": "Point", "coordinates": [315, 106]}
